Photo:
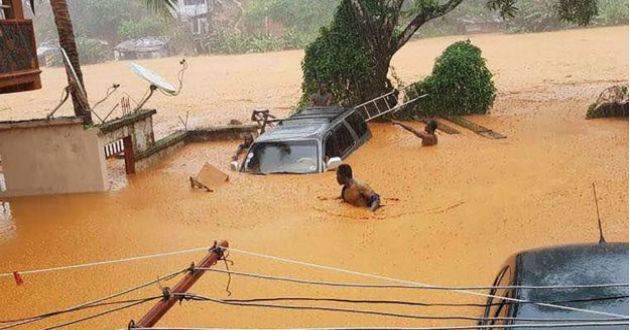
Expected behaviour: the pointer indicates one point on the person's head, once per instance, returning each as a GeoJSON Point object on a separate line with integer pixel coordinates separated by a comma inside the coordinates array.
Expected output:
{"type": "Point", "coordinates": [249, 139]}
{"type": "Point", "coordinates": [323, 87]}
{"type": "Point", "coordinates": [431, 127]}
{"type": "Point", "coordinates": [344, 173]}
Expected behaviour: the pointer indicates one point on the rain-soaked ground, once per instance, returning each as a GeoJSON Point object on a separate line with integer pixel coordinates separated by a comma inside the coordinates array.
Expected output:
{"type": "Point", "coordinates": [453, 213]}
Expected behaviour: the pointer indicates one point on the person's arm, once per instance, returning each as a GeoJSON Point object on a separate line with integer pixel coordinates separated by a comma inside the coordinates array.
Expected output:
{"type": "Point", "coordinates": [239, 150]}
{"type": "Point", "coordinates": [364, 189]}
{"type": "Point", "coordinates": [331, 100]}
{"type": "Point", "coordinates": [369, 194]}
{"type": "Point", "coordinates": [418, 133]}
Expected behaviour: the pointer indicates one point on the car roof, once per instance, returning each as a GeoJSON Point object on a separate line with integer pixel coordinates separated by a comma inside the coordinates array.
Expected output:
{"type": "Point", "coordinates": [307, 123]}
{"type": "Point", "coordinates": [583, 264]}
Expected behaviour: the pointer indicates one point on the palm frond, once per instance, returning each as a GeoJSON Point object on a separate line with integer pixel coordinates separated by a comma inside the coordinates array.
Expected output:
{"type": "Point", "coordinates": [164, 8]}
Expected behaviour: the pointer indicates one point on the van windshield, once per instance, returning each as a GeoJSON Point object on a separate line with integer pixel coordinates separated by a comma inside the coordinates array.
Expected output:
{"type": "Point", "coordinates": [282, 157]}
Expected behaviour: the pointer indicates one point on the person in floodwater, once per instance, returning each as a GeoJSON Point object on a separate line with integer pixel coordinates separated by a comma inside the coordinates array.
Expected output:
{"type": "Point", "coordinates": [243, 146]}
{"type": "Point", "coordinates": [322, 98]}
{"type": "Point", "coordinates": [354, 191]}
{"type": "Point", "coordinates": [428, 136]}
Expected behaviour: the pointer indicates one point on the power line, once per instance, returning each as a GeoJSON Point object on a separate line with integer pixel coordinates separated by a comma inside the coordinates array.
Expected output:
{"type": "Point", "coordinates": [50, 314]}
{"type": "Point", "coordinates": [464, 327]}
{"type": "Point", "coordinates": [196, 297]}
{"type": "Point", "coordinates": [89, 303]}
{"type": "Point", "coordinates": [410, 303]}
{"type": "Point", "coordinates": [391, 279]}
{"type": "Point", "coordinates": [105, 262]}
{"type": "Point", "coordinates": [422, 287]}
{"type": "Point", "coordinates": [113, 310]}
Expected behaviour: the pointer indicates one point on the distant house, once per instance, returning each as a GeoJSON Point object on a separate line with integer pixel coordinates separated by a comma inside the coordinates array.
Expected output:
{"type": "Point", "coordinates": [196, 13]}
{"type": "Point", "coordinates": [471, 24]}
{"type": "Point", "coordinates": [206, 15]}
{"type": "Point", "coordinates": [147, 47]}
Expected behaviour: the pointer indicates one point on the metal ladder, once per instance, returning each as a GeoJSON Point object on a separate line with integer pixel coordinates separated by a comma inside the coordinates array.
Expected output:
{"type": "Point", "coordinates": [384, 104]}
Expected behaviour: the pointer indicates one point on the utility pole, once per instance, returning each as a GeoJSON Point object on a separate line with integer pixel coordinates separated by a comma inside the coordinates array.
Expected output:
{"type": "Point", "coordinates": [170, 297]}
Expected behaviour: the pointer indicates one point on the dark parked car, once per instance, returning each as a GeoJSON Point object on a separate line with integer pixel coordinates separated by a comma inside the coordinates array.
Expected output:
{"type": "Point", "coordinates": [314, 140]}
{"type": "Point", "coordinates": [571, 265]}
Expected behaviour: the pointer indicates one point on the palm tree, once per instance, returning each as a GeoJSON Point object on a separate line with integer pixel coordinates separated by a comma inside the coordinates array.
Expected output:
{"type": "Point", "coordinates": [67, 42]}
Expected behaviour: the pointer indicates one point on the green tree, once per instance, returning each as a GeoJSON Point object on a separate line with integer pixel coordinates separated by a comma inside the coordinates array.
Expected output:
{"type": "Point", "coordinates": [303, 17]}
{"type": "Point", "coordinates": [374, 30]}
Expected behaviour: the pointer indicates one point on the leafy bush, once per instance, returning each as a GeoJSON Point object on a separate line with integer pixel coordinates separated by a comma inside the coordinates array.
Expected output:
{"type": "Point", "coordinates": [91, 51]}
{"type": "Point", "coordinates": [460, 83]}
{"type": "Point", "coordinates": [612, 12]}
{"type": "Point", "coordinates": [612, 102]}
{"type": "Point", "coordinates": [301, 19]}
{"type": "Point", "coordinates": [548, 15]}
{"type": "Point", "coordinates": [234, 43]}
{"type": "Point", "coordinates": [536, 16]}
{"type": "Point", "coordinates": [138, 28]}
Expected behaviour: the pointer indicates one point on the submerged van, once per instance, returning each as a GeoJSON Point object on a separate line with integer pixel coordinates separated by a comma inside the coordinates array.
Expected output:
{"type": "Point", "coordinates": [313, 140]}
{"type": "Point", "coordinates": [583, 266]}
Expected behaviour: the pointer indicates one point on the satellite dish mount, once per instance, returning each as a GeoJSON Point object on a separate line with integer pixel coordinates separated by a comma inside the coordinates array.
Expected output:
{"type": "Point", "coordinates": [157, 82]}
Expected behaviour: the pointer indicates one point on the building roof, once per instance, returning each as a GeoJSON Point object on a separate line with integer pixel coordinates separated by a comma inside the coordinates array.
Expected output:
{"type": "Point", "coordinates": [146, 44]}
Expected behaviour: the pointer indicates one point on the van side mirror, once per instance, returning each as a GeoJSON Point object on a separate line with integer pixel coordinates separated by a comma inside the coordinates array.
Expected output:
{"type": "Point", "coordinates": [234, 165]}
{"type": "Point", "coordinates": [333, 163]}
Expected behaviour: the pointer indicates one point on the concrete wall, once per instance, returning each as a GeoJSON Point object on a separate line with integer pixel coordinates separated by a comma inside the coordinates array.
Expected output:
{"type": "Point", "coordinates": [139, 126]}
{"type": "Point", "coordinates": [51, 157]}
{"type": "Point", "coordinates": [221, 133]}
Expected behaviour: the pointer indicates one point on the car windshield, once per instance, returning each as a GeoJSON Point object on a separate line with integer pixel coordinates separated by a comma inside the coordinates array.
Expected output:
{"type": "Point", "coordinates": [282, 157]}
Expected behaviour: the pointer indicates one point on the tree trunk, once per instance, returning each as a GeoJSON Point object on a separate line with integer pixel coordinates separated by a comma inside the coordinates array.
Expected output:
{"type": "Point", "coordinates": [379, 84]}
{"type": "Point", "coordinates": [67, 42]}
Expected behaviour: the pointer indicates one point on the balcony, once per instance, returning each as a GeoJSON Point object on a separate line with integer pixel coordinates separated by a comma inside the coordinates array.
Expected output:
{"type": "Point", "coordinates": [19, 70]}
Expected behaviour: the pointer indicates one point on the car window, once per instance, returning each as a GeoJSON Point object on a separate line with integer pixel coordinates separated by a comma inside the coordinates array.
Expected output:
{"type": "Point", "coordinates": [339, 141]}
{"type": "Point", "coordinates": [357, 123]}
{"type": "Point", "coordinates": [282, 157]}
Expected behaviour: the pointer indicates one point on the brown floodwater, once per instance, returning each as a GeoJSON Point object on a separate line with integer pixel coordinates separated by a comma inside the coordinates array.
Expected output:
{"type": "Point", "coordinates": [453, 213]}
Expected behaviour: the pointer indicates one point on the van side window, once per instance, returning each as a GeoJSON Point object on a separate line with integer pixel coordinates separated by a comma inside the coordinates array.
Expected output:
{"type": "Point", "coordinates": [357, 123]}
{"type": "Point", "coordinates": [338, 143]}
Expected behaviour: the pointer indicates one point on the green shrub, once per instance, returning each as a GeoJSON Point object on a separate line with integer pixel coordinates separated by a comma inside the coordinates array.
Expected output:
{"type": "Point", "coordinates": [536, 16]}
{"type": "Point", "coordinates": [612, 102]}
{"type": "Point", "coordinates": [138, 28]}
{"type": "Point", "coordinates": [612, 12]}
{"type": "Point", "coordinates": [460, 83]}
{"type": "Point", "coordinates": [91, 51]}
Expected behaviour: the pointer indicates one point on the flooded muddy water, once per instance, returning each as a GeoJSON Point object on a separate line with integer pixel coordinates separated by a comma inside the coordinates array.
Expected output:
{"type": "Point", "coordinates": [453, 213]}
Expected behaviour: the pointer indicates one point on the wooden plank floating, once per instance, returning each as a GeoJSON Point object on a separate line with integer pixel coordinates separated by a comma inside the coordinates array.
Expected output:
{"type": "Point", "coordinates": [441, 126]}
{"type": "Point", "coordinates": [483, 131]}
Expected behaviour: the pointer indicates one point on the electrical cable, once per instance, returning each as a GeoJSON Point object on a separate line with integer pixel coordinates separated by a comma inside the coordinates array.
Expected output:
{"type": "Point", "coordinates": [93, 316]}
{"type": "Point", "coordinates": [50, 314]}
{"type": "Point", "coordinates": [391, 279]}
{"type": "Point", "coordinates": [423, 287]}
{"type": "Point", "coordinates": [410, 303]}
{"type": "Point", "coordinates": [71, 309]}
{"type": "Point", "coordinates": [456, 327]}
{"type": "Point", "coordinates": [196, 297]}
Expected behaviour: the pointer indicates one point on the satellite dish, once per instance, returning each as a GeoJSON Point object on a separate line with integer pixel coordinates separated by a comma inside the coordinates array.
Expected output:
{"type": "Point", "coordinates": [73, 74]}
{"type": "Point", "coordinates": [154, 79]}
